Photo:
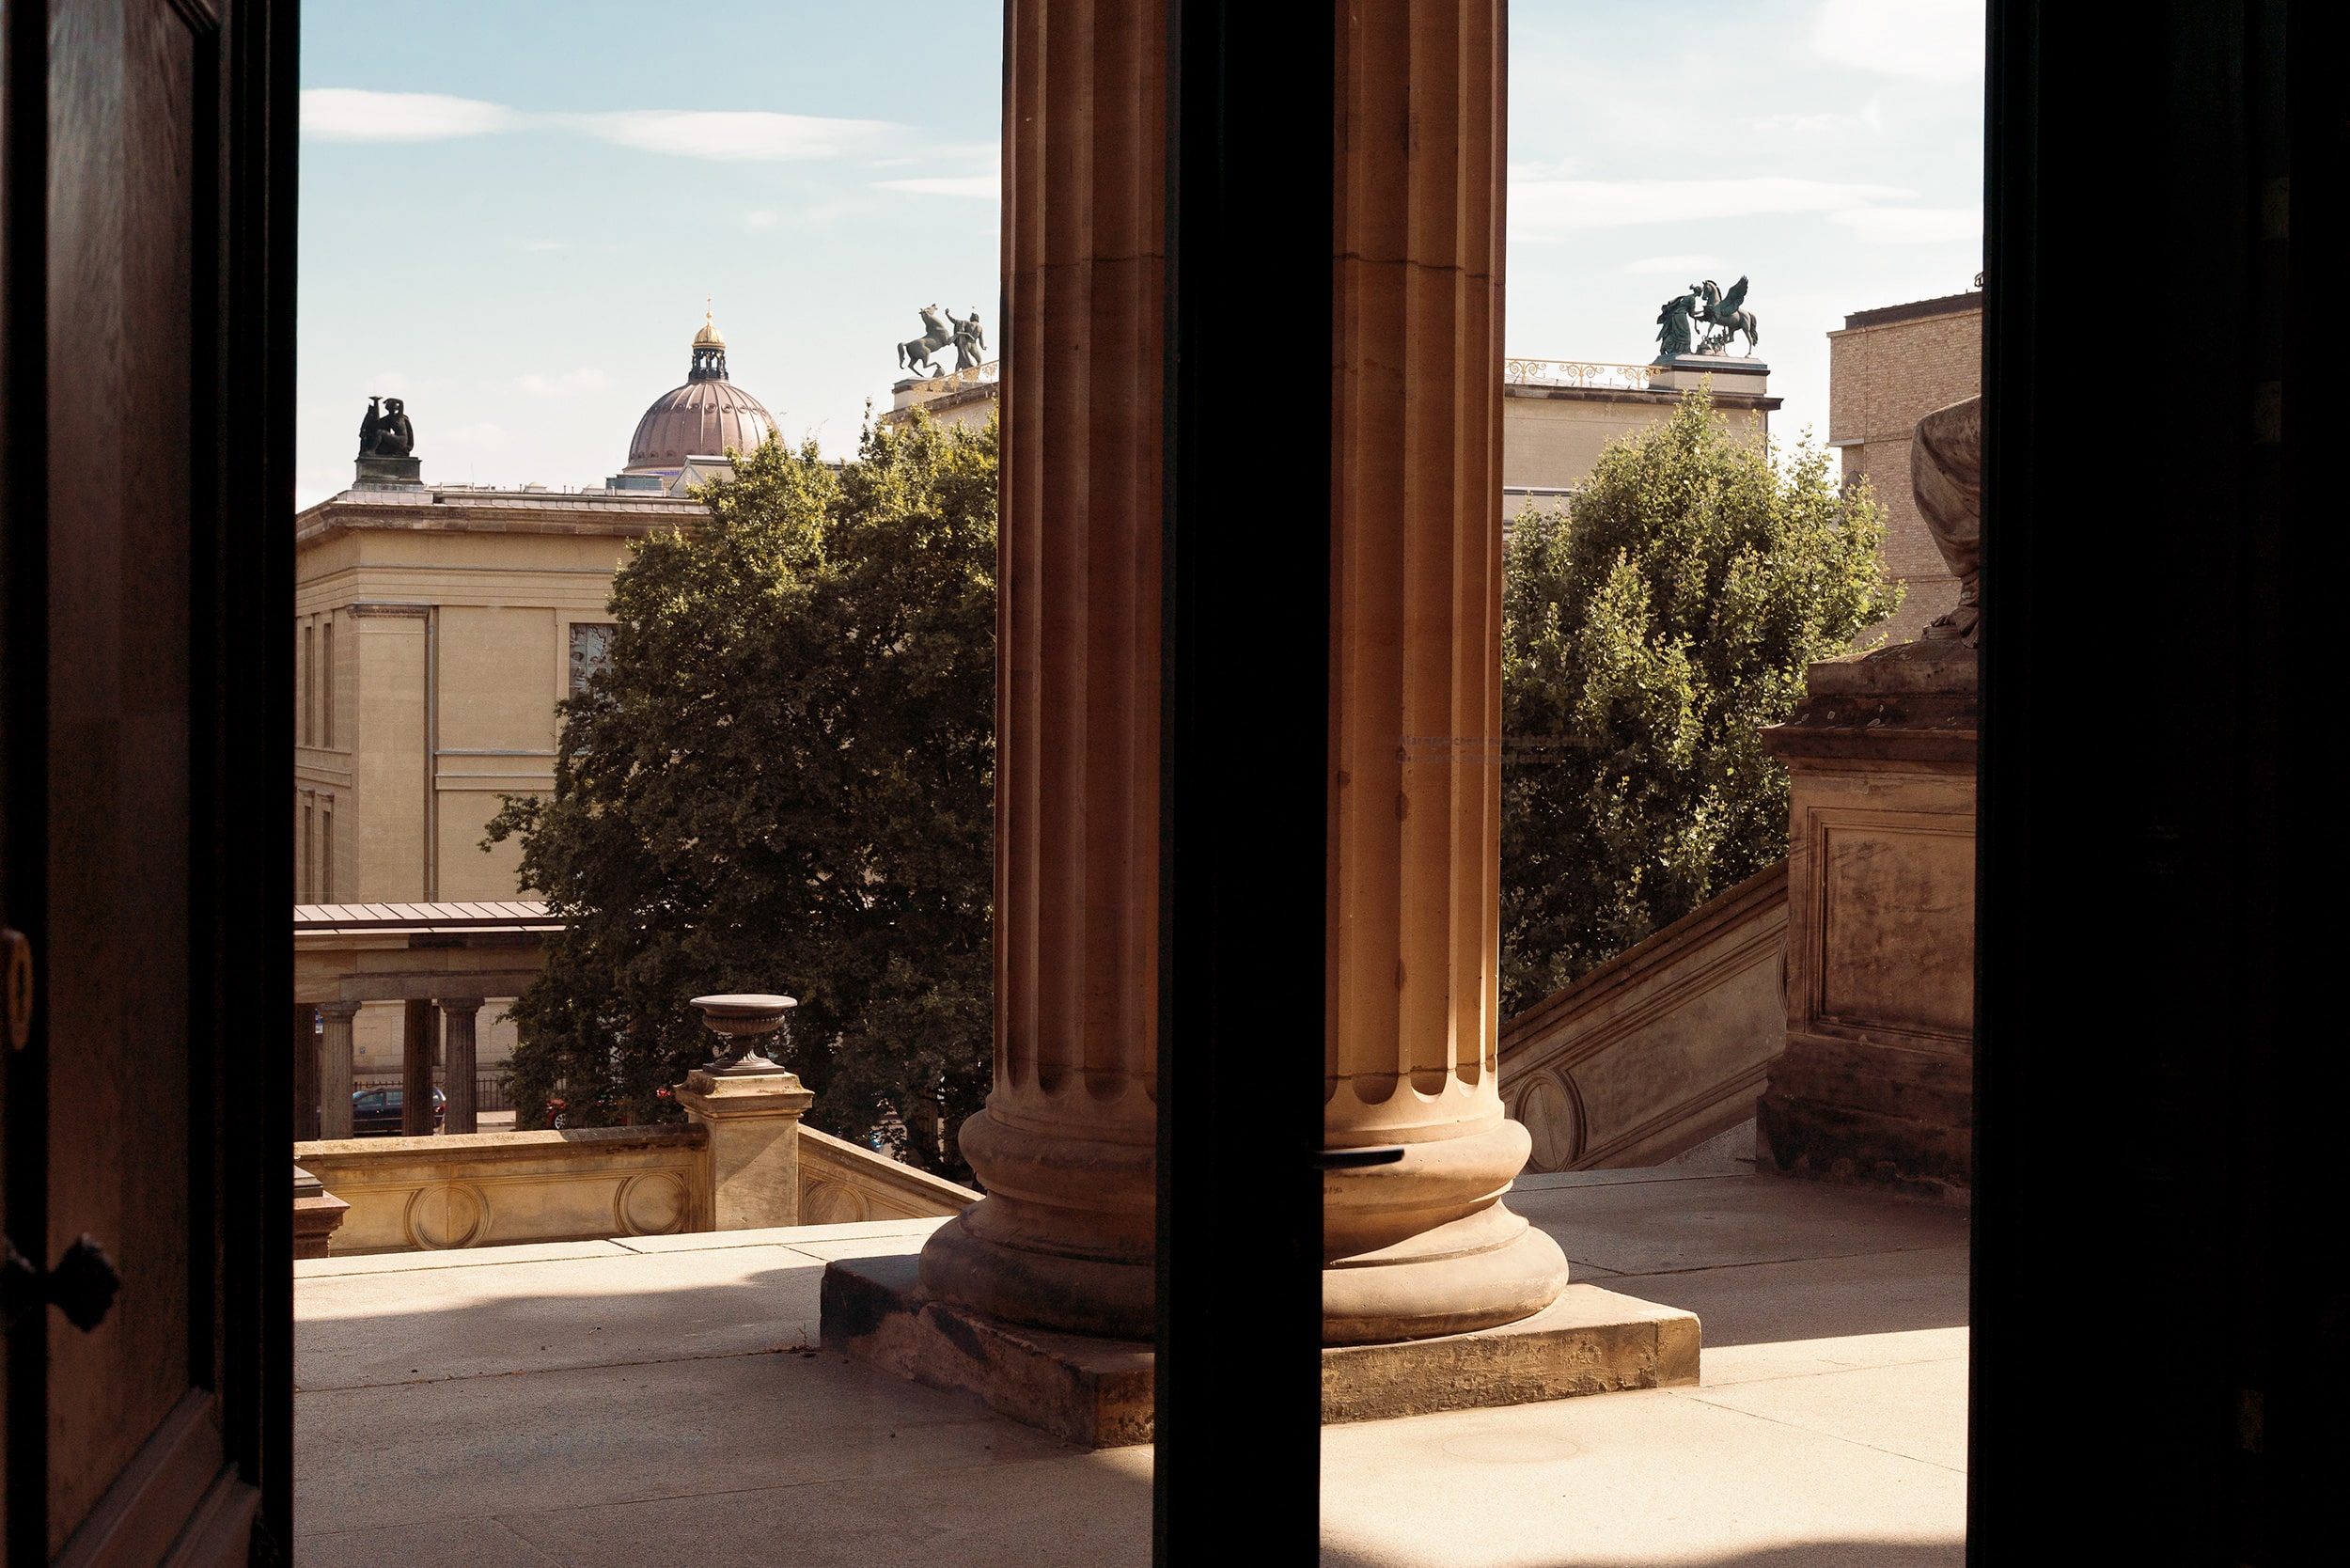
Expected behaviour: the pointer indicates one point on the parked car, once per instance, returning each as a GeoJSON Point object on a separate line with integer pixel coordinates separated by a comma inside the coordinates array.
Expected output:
{"type": "Point", "coordinates": [377, 1111]}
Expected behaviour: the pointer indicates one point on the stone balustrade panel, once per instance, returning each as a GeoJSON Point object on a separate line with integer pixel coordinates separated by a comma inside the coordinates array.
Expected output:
{"type": "Point", "coordinates": [843, 1184]}
{"type": "Point", "coordinates": [495, 1189]}
{"type": "Point", "coordinates": [1661, 1047]}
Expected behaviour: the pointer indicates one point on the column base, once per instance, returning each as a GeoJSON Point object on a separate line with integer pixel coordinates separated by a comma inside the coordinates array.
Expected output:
{"type": "Point", "coordinates": [1096, 1392]}
{"type": "Point", "coordinates": [1482, 1271]}
{"type": "Point", "coordinates": [1054, 1291]}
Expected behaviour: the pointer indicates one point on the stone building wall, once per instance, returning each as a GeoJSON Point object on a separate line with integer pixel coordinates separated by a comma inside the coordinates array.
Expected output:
{"type": "Point", "coordinates": [492, 582]}
{"type": "Point", "coordinates": [1885, 369]}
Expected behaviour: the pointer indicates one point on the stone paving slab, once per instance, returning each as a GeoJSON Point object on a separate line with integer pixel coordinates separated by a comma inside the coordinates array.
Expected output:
{"type": "Point", "coordinates": [1825, 1431]}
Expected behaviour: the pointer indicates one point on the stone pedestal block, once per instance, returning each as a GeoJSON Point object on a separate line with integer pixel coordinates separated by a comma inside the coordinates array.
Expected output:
{"type": "Point", "coordinates": [1877, 1077]}
{"type": "Point", "coordinates": [753, 1119]}
{"type": "Point", "coordinates": [390, 470]}
{"type": "Point", "coordinates": [1096, 1392]}
{"type": "Point", "coordinates": [318, 1215]}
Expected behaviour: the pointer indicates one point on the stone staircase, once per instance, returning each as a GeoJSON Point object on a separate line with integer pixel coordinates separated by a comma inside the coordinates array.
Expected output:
{"type": "Point", "coordinates": [1661, 1048]}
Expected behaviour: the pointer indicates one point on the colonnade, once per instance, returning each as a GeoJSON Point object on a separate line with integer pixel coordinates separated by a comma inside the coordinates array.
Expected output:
{"type": "Point", "coordinates": [457, 1029]}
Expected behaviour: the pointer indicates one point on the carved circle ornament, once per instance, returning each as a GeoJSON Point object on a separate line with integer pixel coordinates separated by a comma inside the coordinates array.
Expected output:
{"type": "Point", "coordinates": [831, 1203]}
{"type": "Point", "coordinates": [1553, 1118]}
{"type": "Point", "coordinates": [445, 1216]}
{"type": "Point", "coordinates": [650, 1204]}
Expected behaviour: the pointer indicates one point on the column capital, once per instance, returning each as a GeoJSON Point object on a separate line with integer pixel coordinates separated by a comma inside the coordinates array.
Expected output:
{"type": "Point", "coordinates": [339, 1008]}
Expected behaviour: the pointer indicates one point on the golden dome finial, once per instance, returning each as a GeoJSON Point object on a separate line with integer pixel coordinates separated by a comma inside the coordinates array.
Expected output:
{"type": "Point", "coordinates": [709, 338]}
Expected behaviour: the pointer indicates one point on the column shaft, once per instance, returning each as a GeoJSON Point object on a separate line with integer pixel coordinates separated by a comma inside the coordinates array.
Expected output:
{"type": "Point", "coordinates": [415, 1070]}
{"type": "Point", "coordinates": [1066, 1145]}
{"type": "Point", "coordinates": [305, 1072]}
{"type": "Point", "coordinates": [456, 1062]}
{"type": "Point", "coordinates": [1423, 1246]}
{"type": "Point", "coordinates": [335, 1069]}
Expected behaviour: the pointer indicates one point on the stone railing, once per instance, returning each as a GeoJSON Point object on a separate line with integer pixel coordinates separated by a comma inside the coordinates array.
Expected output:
{"type": "Point", "coordinates": [495, 1189]}
{"type": "Point", "coordinates": [1661, 1047]}
{"type": "Point", "coordinates": [843, 1183]}
{"type": "Point", "coordinates": [491, 1189]}
{"type": "Point", "coordinates": [1581, 372]}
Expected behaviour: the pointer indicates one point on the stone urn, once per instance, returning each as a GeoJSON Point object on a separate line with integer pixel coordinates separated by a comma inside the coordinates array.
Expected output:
{"type": "Point", "coordinates": [741, 1021]}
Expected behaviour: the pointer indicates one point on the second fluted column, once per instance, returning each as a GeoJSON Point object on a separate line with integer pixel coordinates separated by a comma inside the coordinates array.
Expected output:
{"type": "Point", "coordinates": [1065, 1146]}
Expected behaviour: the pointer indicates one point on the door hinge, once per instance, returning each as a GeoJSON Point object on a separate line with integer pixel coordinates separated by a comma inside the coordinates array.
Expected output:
{"type": "Point", "coordinates": [82, 1286]}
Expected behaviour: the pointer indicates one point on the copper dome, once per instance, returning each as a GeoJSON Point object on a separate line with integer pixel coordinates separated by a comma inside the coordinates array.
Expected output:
{"type": "Point", "coordinates": [706, 416]}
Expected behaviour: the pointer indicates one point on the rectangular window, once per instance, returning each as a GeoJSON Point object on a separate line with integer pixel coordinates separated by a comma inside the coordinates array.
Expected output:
{"type": "Point", "coordinates": [302, 855]}
{"type": "Point", "coordinates": [591, 644]}
{"type": "Point", "coordinates": [326, 687]}
{"type": "Point", "coordinates": [309, 681]}
{"type": "Point", "coordinates": [326, 846]}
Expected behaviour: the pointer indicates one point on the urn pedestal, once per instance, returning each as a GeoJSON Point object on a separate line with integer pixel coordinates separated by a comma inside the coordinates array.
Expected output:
{"type": "Point", "coordinates": [1877, 1079]}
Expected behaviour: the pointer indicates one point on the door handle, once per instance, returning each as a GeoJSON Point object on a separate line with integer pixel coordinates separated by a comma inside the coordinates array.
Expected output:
{"type": "Point", "coordinates": [82, 1286]}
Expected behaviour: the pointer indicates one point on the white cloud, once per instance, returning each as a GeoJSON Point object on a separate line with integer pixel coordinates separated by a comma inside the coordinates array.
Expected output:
{"type": "Point", "coordinates": [352, 115]}
{"type": "Point", "coordinates": [1870, 117]}
{"type": "Point", "coordinates": [1541, 207]}
{"type": "Point", "coordinates": [986, 187]}
{"type": "Point", "coordinates": [355, 115]}
{"type": "Point", "coordinates": [581, 380]}
{"type": "Point", "coordinates": [1693, 266]}
{"type": "Point", "coordinates": [1939, 40]}
{"type": "Point", "coordinates": [732, 137]}
{"type": "Point", "coordinates": [1911, 226]}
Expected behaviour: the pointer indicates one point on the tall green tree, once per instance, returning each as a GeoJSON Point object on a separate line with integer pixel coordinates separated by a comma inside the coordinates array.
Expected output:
{"type": "Point", "coordinates": [1650, 630]}
{"type": "Point", "coordinates": [783, 780]}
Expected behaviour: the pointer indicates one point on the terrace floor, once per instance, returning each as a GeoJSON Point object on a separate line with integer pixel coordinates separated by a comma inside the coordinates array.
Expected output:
{"type": "Point", "coordinates": [660, 1401]}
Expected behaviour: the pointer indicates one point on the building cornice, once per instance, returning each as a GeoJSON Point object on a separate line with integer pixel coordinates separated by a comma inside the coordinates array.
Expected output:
{"type": "Point", "coordinates": [1625, 395]}
{"type": "Point", "coordinates": [431, 511]}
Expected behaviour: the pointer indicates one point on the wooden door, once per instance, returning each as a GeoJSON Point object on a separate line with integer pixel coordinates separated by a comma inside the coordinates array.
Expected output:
{"type": "Point", "coordinates": [146, 546]}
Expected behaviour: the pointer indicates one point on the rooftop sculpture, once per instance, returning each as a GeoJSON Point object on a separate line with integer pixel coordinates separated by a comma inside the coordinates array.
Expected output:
{"type": "Point", "coordinates": [385, 432]}
{"type": "Point", "coordinates": [1707, 305]}
{"type": "Point", "coordinates": [1945, 476]}
{"type": "Point", "coordinates": [918, 353]}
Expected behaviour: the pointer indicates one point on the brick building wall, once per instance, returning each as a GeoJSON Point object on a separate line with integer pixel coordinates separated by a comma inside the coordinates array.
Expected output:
{"type": "Point", "coordinates": [1885, 369]}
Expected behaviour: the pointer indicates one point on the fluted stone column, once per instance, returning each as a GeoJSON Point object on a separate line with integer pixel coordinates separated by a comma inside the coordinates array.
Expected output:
{"type": "Point", "coordinates": [415, 1069]}
{"type": "Point", "coordinates": [335, 1069]}
{"type": "Point", "coordinates": [1424, 1245]}
{"type": "Point", "coordinates": [1065, 1144]}
{"type": "Point", "coordinates": [458, 1017]}
{"type": "Point", "coordinates": [305, 1072]}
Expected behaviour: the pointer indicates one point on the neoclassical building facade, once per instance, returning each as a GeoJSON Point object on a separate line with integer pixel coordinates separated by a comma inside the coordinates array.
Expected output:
{"type": "Point", "coordinates": [436, 627]}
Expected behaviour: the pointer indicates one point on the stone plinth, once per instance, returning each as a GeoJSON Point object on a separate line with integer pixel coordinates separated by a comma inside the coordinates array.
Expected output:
{"type": "Point", "coordinates": [318, 1215]}
{"type": "Point", "coordinates": [1744, 377]}
{"type": "Point", "coordinates": [753, 1122]}
{"type": "Point", "coordinates": [1097, 1392]}
{"type": "Point", "coordinates": [390, 470]}
{"type": "Point", "coordinates": [1878, 1076]}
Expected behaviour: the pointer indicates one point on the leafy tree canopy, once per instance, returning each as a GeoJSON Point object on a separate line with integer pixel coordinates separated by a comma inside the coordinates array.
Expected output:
{"type": "Point", "coordinates": [1649, 630]}
{"type": "Point", "coordinates": [783, 781]}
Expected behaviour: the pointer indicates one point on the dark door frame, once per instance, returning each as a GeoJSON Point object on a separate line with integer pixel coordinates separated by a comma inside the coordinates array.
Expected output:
{"type": "Point", "coordinates": [241, 716]}
{"type": "Point", "coordinates": [2160, 777]}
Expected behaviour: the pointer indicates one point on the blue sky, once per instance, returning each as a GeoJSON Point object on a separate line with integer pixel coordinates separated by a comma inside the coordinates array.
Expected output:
{"type": "Point", "coordinates": [512, 212]}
